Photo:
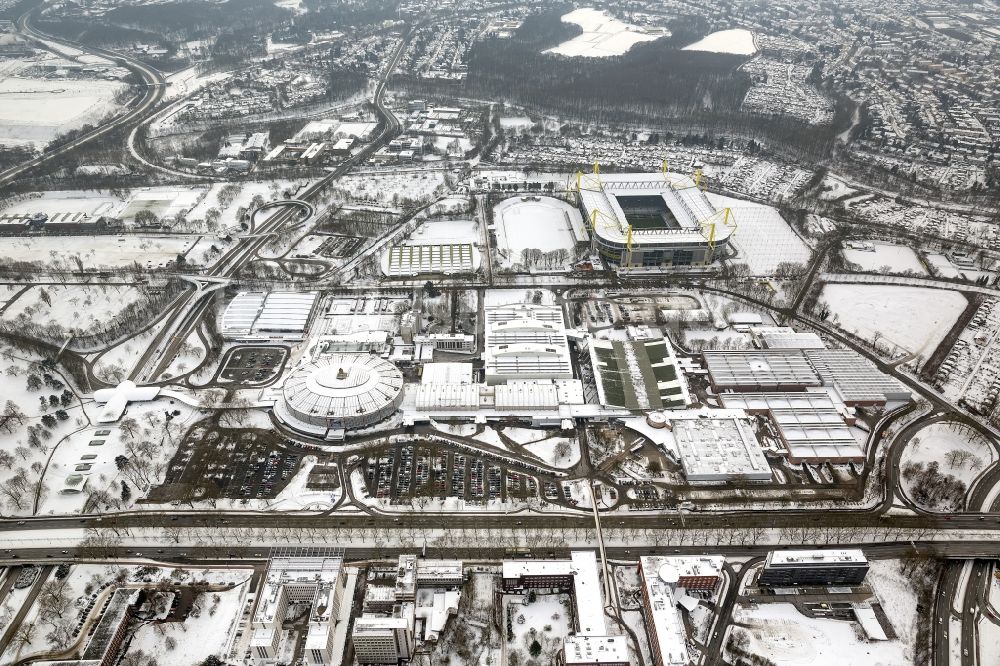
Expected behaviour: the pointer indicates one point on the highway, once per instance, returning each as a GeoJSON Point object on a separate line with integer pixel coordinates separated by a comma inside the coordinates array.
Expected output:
{"type": "Point", "coordinates": [190, 310]}
{"type": "Point", "coordinates": [152, 93]}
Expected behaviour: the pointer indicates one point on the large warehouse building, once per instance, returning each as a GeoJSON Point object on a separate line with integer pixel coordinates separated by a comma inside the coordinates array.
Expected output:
{"type": "Point", "coordinates": [340, 392]}
{"type": "Point", "coordinates": [649, 220]}
{"type": "Point", "coordinates": [525, 341]}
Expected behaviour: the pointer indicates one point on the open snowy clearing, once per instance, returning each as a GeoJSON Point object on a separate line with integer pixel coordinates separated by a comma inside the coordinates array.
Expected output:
{"type": "Point", "coordinates": [603, 35]}
{"type": "Point", "coordinates": [99, 251]}
{"type": "Point", "coordinates": [780, 633]}
{"type": "Point", "coordinates": [912, 319]}
{"type": "Point", "coordinates": [895, 592]}
{"type": "Point", "coordinates": [37, 110]}
{"type": "Point", "coordinates": [737, 41]}
{"type": "Point", "coordinates": [540, 223]}
{"type": "Point", "coordinates": [78, 307]}
{"type": "Point", "coordinates": [445, 231]}
{"type": "Point", "coordinates": [898, 258]}
{"type": "Point", "coordinates": [933, 442]}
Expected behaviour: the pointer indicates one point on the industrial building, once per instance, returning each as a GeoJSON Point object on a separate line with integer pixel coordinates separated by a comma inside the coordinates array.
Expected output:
{"type": "Point", "coordinates": [339, 392]}
{"type": "Point", "coordinates": [277, 315]}
{"type": "Point", "coordinates": [663, 579]}
{"type": "Point", "coordinates": [812, 427]}
{"type": "Point", "coordinates": [855, 380]}
{"type": "Point", "coordinates": [638, 374]}
{"type": "Point", "coordinates": [651, 220]}
{"type": "Point", "coordinates": [765, 370]}
{"type": "Point", "coordinates": [784, 337]}
{"type": "Point", "coordinates": [814, 567]}
{"type": "Point", "coordinates": [719, 449]}
{"type": "Point", "coordinates": [525, 341]}
{"type": "Point", "coordinates": [437, 259]}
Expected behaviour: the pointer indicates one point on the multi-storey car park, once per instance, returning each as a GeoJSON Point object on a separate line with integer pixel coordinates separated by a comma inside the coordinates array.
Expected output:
{"type": "Point", "coordinates": [649, 220]}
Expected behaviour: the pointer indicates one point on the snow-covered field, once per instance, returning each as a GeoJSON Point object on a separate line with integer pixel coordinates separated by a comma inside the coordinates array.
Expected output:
{"type": "Point", "coordinates": [898, 258]}
{"type": "Point", "coordinates": [445, 231]}
{"type": "Point", "coordinates": [546, 224]}
{"type": "Point", "coordinates": [603, 35]}
{"type": "Point", "coordinates": [79, 307]}
{"type": "Point", "coordinates": [780, 633]}
{"type": "Point", "coordinates": [896, 594]}
{"type": "Point", "coordinates": [152, 251]}
{"type": "Point", "coordinates": [737, 41]}
{"type": "Point", "coordinates": [37, 110]}
{"type": "Point", "coordinates": [194, 639]}
{"type": "Point", "coordinates": [933, 442]}
{"type": "Point", "coordinates": [914, 319]}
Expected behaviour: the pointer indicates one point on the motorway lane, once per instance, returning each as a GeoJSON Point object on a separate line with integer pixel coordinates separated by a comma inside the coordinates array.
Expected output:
{"type": "Point", "coordinates": [165, 345]}
{"type": "Point", "coordinates": [154, 86]}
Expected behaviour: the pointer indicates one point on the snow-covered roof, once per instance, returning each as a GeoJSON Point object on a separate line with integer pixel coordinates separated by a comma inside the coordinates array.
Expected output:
{"type": "Point", "coordinates": [116, 400]}
{"type": "Point", "coordinates": [813, 557]}
{"type": "Point", "coordinates": [595, 650]}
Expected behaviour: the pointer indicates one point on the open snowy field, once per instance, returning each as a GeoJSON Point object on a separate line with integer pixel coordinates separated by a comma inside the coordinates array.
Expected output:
{"type": "Point", "coordinates": [936, 441]}
{"type": "Point", "coordinates": [898, 258]}
{"type": "Point", "coordinates": [86, 308]}
{"type": "Point", "coordinates": [99, 251]}
{"type": "Point", "coordinates": [542, 223]}
{"type": "Point", "coordinates": [603, 35]}
{"type": "Point", "coordinates": [913, 319]}
{"type": "Point", "coordinates": [37, 110]}
{"type": "Point", "coordinates": [763, 238]}
{"type": "Point", "coordinates": [780, 633]}
{"type": "Point", "coordinates": [737, 41]}
{"type": "Point", "coordinates": [89, 202]}
{"type": "Point", "coordinates": [435, 232]}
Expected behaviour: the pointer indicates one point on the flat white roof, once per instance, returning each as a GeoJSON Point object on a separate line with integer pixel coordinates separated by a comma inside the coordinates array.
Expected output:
{"type": "Point", "coordinates": [596, 650]}
{"type": "Point", "coordinates": [847, 556]}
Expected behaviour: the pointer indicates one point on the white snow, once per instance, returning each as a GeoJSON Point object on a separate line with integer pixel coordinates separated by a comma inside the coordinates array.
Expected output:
{"type": "Point", "coordinates": [914, 319]}
{"type": "Point", "coordinates": [788, 638]}
{"type": "Point", "coordinates": [764, 239]}
{"type": "Point", "coordinates": [933, 442]}
{"type": "Point", "coordinates": [36, 110]}
{"type": "Point", "coordinates": [898, 258]}
{"type": "Point", "coordinates": [603, 35]}
{"type": "Point", "coordinates": [544, 224]}
{"type": "Point", "coordinates": [736, 41]}
{"type": "Point", "coordinates": [546, 450]}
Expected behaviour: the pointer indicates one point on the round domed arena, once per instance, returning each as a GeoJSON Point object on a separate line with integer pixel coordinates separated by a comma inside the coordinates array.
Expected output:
{"type": "Point", "coordinates": [340, 392]}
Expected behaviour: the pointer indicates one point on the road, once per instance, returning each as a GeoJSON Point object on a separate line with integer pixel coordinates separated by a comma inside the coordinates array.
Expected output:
{"type": "Point", "coordinates": [189, 311]}
{"type": "Point", "coordinates": [22, 612]}
{"type": "Point", "coordinates": [153, 87]}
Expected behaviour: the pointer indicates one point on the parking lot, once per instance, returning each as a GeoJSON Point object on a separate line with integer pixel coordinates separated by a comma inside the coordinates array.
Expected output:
{"type": "Point", "coordinates": [422, 471]}
{"type": "Point", "coordinates": [251, 365]}
{"type": "Point", "coordinates": [227, 463]}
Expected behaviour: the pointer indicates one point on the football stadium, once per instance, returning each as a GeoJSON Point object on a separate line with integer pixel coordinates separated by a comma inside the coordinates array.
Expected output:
{"type": "Point", "coordinates": [651, 220]}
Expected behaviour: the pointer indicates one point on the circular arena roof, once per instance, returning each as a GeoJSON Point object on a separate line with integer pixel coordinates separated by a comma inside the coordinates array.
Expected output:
{"type": "Point", "coordinates": [341, 391]}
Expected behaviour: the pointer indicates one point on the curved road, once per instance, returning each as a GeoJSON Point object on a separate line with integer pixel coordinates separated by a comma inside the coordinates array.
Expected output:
{"type": "Point", "coordinates": [154, 85]}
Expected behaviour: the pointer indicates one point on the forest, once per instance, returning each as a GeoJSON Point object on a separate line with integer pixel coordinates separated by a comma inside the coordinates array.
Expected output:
{"type": "Point", "coordinates": [655, 84]}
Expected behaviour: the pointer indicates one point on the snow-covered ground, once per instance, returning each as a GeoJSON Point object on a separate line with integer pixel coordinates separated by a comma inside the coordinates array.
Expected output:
{"type": "Point", "coordinates": [547, 620]}
{"type": "Point", "coordinates": [35, 110]}
{"type": "Point", "coordinates": [603, 35]}
{"type": "Point", "coordinates": [557, 451]}
{"type": "Point", "coordinates": [194, 639]}
{"type": "Point", "coordinates": [86, 308]}
{"type": "Point", "coordinates": [780, 633]}
{"type": "Point", "coordinates": [895, 591]}
{"type": "Point", "coordinates": [149, 251]}
{"type": "Point", "coordinates": [737, 41]}
{"type": "Point", "coordinates": [932, 444]}
{"type": "Point", "coordinates": [911, 319]}
{"type": "Point", "coordinates": [546, 224]}
{"type": "Point", "coordinates": [435, 232]}
{"type": "Point", "coordinates": [898, 258]}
